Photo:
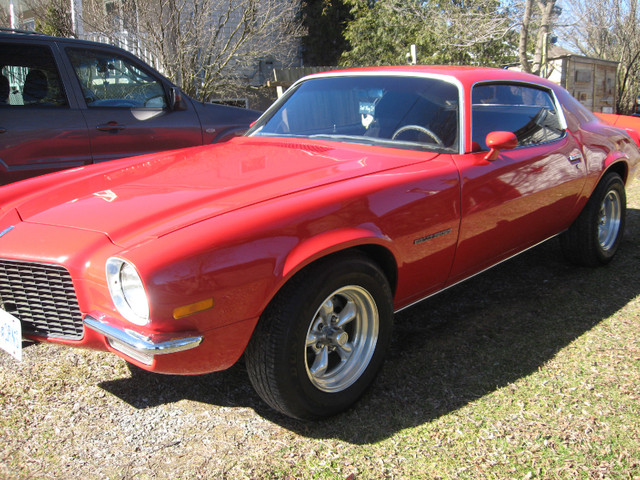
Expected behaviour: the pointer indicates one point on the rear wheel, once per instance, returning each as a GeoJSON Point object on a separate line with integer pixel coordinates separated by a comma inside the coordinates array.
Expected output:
{"type": "Point", "coordinates": [594, 238]}
{"type": "Point", "coordinates": [321, 341]}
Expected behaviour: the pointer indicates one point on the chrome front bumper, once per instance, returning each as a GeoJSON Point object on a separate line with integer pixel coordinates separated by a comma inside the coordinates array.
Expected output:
{"type": "Point", "coordinates": [139, 347]}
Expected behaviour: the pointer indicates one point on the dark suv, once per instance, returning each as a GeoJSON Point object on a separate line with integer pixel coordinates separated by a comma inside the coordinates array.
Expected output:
{"type": "Point", "coordinates": [66, 103]}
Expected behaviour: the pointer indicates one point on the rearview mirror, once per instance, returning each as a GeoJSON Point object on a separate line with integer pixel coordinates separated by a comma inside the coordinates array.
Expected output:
{"type": "Point", "coordinates": [497, 141]}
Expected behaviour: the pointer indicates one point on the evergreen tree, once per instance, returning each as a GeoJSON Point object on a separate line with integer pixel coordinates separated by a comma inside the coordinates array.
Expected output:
{"type": "Point", "coordinates": [325, 21]}
{"type": "Point", "coordinates": [475, 32]}
{"type": "Point", "coordinates": [56, 20]}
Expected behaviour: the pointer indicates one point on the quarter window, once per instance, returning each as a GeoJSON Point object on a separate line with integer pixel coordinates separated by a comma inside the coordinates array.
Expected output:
{"type": "Point", "coordinates": [109, 80]}
{"type": "Point", "coordinates": [29, 77]}
{"type": "Point", "coordinates": [528, 112]}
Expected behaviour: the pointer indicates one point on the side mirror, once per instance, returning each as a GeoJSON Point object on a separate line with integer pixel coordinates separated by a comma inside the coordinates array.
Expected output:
{"type": "Point", "coordinates": [497, 141]}
{"type": "Point", "coordinates": [176, 101]}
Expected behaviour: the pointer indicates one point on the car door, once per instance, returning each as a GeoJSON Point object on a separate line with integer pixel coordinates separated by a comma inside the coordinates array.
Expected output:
{"type": "Point", "coordinates": [41, 126]}
{"type": "Point", "coordinates": [127, 107]}
{"type": "Point", "coordinates": [526, 194]}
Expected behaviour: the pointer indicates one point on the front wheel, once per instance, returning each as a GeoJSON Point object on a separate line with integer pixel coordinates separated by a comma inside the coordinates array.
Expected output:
{"type": "Point", "coordinates": [594, 238]}
{"type": "Point", "coordinates": [321, 341]}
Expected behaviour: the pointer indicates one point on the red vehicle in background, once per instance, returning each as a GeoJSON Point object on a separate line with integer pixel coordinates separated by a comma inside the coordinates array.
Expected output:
{"type": "Point", "coordinates": [630, 123]}
{"type": "Point", "coordinates": [357, 194]}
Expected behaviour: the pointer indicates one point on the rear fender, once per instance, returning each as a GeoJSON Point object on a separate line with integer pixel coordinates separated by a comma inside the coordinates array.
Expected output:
{"type": "Point", "coordinates": [617, 162]}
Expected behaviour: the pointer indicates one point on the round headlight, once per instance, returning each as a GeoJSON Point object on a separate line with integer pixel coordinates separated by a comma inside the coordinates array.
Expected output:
{"type": "Point", "coordinates": [127, 291]}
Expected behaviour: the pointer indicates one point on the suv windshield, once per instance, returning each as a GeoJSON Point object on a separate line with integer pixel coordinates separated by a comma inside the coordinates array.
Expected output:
{"type": "Point", "coordinates": [394, 111]}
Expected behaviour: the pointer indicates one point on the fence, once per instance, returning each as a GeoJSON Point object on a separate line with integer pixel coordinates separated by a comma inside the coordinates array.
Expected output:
{"type": "Point", "coordinates": [128, 43]}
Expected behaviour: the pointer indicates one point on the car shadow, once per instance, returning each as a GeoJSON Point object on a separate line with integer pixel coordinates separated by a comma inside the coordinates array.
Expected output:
{"type": "Point", "coordinates": [447, 351]}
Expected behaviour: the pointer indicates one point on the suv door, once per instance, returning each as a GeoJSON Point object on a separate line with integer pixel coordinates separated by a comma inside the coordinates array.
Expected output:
{"type": "Point", "coordinates": [41, 127]}
{"type": "Point", "coordinates": [127, 107]}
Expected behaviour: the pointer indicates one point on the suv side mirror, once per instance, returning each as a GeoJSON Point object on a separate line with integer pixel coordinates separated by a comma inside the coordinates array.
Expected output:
{"type": "Point", "coordinates": [176, 100]}
{"type": "Point", "coordinates": [497, 141]}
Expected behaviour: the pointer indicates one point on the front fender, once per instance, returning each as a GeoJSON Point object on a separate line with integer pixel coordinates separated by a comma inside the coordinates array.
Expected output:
{"type": "Point", "coordinates": [327, 243]}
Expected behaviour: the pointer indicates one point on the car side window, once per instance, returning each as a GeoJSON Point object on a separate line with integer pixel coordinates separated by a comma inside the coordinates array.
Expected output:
{"type": "Point", "coordinates": [109, 80]}
{"type": "Point", "coordinates": [29, 77]}
{"type": "Point", "coordinates": [528, 112]}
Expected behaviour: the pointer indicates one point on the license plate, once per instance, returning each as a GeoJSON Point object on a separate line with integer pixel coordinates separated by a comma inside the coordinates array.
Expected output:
{"type": "Point", "coordinates": [10, 335]}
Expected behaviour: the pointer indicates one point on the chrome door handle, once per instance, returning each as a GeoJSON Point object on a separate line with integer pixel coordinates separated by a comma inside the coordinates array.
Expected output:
{"type": "Point", "coordinates": [573, 159]}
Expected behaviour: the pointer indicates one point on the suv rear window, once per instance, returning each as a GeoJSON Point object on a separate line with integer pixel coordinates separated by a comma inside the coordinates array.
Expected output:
{"type": "Point", "coordinates": [30, 77]}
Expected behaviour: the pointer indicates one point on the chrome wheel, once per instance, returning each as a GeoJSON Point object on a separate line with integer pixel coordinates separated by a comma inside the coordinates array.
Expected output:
{"type": "Point", "coordinates": [321, 340]}
{"type": "Point", "coordinates": [609, 220]}
{"type": "Point", "coordinates": [341, 339]}
{"type": "Point", "coordinates": [595, 236]}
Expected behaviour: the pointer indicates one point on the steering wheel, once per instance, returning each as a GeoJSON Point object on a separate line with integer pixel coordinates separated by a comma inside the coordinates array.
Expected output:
{"type": "Point", "coordinates": [419, 128]}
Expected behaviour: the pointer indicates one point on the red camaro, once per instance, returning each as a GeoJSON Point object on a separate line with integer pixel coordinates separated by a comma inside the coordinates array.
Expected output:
{"type": "Point", "coordinates": [357, 194]}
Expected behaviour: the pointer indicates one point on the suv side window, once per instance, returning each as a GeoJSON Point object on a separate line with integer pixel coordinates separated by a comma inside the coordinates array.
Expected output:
{"type": "Point", "coordinates": [528, 112]}
{"type": "Point", "coordinates": [109, 80]}
{"type": "Point", "coordinates": [29, 77]}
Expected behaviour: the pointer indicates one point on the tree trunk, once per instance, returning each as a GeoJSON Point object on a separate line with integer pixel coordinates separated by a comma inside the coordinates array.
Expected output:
{"type": "Point", "coordinates": [524, 36]}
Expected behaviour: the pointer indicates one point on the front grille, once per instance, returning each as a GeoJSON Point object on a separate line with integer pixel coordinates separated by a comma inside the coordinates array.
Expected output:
{"type": "Point", "coordinates": [42, 297]}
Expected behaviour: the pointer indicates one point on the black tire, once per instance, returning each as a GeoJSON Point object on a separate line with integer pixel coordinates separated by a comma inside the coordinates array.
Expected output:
{"type": "Point", "coordinates": [594, 237]}
{"type": "Point", "coordinates": [321, 341]}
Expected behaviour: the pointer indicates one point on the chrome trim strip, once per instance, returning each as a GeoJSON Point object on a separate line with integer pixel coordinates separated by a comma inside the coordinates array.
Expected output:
{"type": "Point", "coordinates": [6, 230]}
{"type": "Point", "coordinates": [140, 343]}
{"type": "Point", "coordinates": [474, 275]}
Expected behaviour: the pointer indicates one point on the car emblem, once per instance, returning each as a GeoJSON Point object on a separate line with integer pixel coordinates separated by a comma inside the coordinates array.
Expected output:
{"type": "Point", "coordinates": [6, 230]}
{"type": "Point", "coordinates": [432, 236]}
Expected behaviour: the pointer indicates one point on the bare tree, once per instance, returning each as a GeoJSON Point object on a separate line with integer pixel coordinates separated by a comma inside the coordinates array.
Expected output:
{"type": "Point", "coordinates": [208, 47]}
{"type": "Point", "coordinates": [609, 29]}
{"type": "Point", "coordinates": [4, 16]}
{"type": "Point", "coordinates": [523, 47]}
{"type": "Point", "coordinates": [52, 17]}
{"type": "Point", "coordinates": [538, 17]}
{"type": "Point", "coordinates": [464, 24]}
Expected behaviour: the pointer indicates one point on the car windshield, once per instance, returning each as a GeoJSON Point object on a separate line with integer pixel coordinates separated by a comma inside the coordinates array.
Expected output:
{"type": "Point", "coordinates": [403, 112]}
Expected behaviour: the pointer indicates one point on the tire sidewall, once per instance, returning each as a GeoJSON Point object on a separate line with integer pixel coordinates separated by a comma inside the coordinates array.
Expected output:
{"type": "Point", "coordinates": [323, 282]}
{"type": "Point", "coordinates": [612, 182]}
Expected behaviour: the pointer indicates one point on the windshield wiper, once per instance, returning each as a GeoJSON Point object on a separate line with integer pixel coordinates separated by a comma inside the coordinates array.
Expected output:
{"type": "Point", "coordinates": [349, 138]}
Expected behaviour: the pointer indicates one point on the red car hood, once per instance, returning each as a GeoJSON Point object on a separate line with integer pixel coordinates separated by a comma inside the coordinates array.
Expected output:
{"type": "Point", "coordinates": [134, 199]}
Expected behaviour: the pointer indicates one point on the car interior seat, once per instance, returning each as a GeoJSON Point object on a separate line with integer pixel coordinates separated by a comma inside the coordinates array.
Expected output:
{"type": "Point", "coordinates": [4, 90]}
{"type": "Point", "coordinates": [35, 87]}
